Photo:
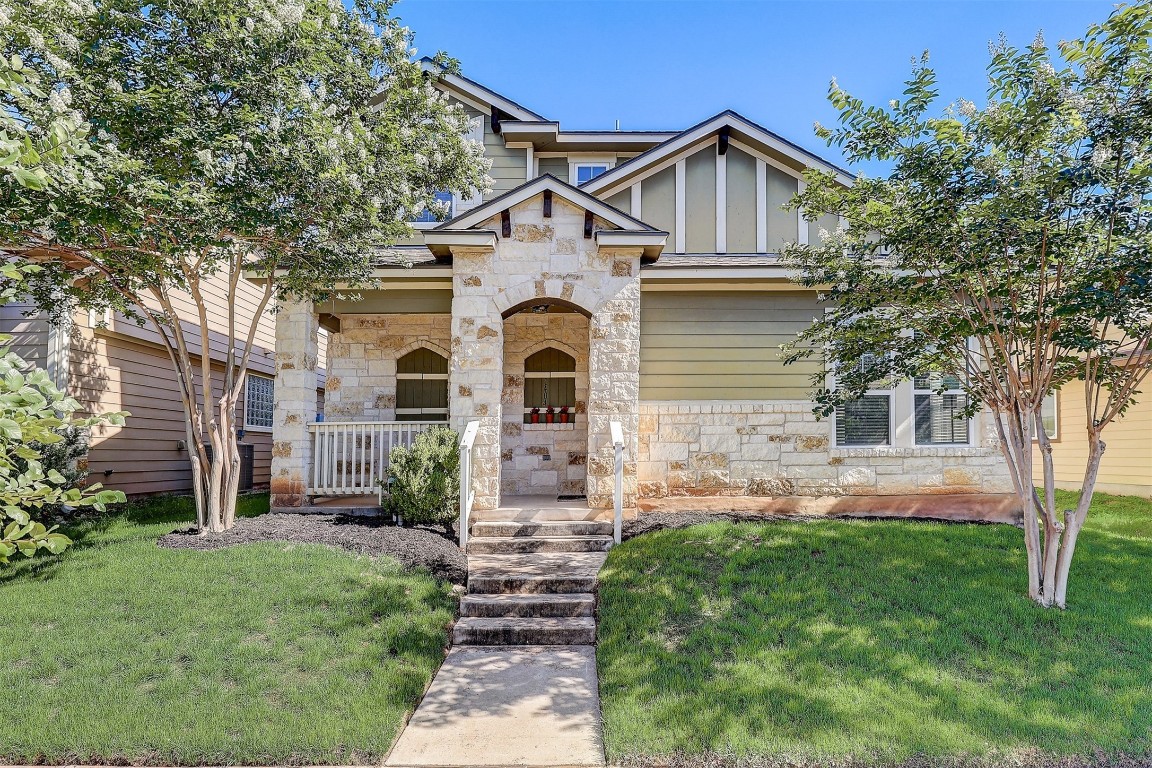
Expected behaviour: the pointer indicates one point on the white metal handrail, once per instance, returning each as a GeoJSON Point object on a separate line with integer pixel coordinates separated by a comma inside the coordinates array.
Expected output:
{"type": "Point", "coordinates": [350, 458]}
{"type": "Point", "coordinates": [467, 495]}
{"type": "Point", "coordinates": [618, 490]}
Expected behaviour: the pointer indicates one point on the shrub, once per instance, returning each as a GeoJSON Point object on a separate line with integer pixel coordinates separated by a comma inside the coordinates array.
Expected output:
{"type": "Point", "coordinates": [424, 480]}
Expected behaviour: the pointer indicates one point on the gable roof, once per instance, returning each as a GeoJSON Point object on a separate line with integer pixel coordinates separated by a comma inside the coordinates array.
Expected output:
{"type": "Point", "coordinates": [479, 93]}
{"type": "Point", "coordinates": [739, 127]}
{"type": "Point", "coordinates": [574, 195]}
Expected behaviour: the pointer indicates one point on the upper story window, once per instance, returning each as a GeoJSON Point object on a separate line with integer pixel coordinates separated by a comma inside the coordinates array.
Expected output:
{"type": "Point", "coordinates": [422, 386]}
{"type": "Point", "coordinates": [456, 204]}
{"type": "Point", "coordinates": [427, 216]}
{"type": "Point", "coordinates": [549, 383]}
{"type": "Point", "coordinates": [259, 402]}
{"type": "Point", "coordinates": [587, 168]}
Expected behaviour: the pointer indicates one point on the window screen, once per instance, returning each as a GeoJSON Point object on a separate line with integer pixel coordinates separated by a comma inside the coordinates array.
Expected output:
{"type": "Point", "coordinates": [866, 421]}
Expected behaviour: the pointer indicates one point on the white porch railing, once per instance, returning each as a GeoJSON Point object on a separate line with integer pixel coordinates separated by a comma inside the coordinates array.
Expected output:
{"type": "Point", "coordinates": [467, 495]}
{"type": "Point", "coordinates": [618, 488]}
{"type": "Point", "coordinates": [350, 458]}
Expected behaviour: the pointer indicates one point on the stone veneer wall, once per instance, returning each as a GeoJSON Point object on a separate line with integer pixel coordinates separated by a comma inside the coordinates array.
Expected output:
{"type": "Point", "coordinates": [547, 258]}
{"type": "Point", "coordinates": [361, 383]}
{"type": "Point", "coordinates": [543, 458]}
{"type": "Point", "coordinates": [297, 353]}
{"type": "Point", "coordinates": [778, 448]}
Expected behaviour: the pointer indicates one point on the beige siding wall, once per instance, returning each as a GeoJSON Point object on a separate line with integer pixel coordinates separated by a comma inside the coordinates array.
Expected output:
{"type": "Point", "coordinates": [1127, 464]}
{"type": "Point", "coordinates": [723, 345]}
{"type": "Point", "coordinates": [700, 201]}
{"type": "Point", "coordinates": [110, 372]}
{"type": "Point", "coordinates": [740, 197]}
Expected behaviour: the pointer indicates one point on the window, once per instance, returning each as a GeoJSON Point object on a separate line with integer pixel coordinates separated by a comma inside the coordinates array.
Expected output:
{"type": "Point", "coordinates": [427, 216]}
{"type": "Point", "coordinates": [259, 402]}
{"type": "Point", "coordinates": [1049, 415]}
{"type": "Point", "coordinates": [866, 421]}
{"type": "Point", "coordinates": [549, 382]}
{"type": "Point", "coordinates": [940, 407]}
{"type": "Point", "coordinates": [588, 171]}
{"type": "Point", "coordinates": [422, 386]}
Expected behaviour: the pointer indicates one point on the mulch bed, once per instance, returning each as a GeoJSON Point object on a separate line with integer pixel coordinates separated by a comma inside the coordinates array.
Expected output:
{"type": "Point", "coordinates": [1020, 759]}
{"type": "Point", "coordinates": [425, 548]}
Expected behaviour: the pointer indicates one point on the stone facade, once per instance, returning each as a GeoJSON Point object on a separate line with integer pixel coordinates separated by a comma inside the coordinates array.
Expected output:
{"type": "Point", "coordinates": [543, 458]}
{"type": "Point", "coordinates": [779, 449]}
{"type": "Point", "coordinates": [547, 259]}
{"type": "Point", "coordinates": [296, 360]}
{"type": "Point", "coordinates": [361, 382]}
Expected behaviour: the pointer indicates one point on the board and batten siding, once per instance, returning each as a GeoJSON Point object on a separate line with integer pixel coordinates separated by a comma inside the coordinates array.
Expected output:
{"type": "Point", "coordinates": [723, 345]}
{"type": "Point", "coordinates": [1126, 467]}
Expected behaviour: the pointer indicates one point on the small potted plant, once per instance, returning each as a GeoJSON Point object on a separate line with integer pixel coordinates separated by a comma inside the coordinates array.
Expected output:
{"type": "Point", "coordinates": [563, 414]}
{"type": "Point", "coordinates": [534, 417]}
{"type": "Point", "coordinates": [550, 415]}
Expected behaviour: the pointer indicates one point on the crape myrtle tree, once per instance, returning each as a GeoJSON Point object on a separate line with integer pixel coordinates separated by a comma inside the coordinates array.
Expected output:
{"type": "Point", "coordinates": [284, 140]}
{"type": "Point", "coordinates": [1009, 250]}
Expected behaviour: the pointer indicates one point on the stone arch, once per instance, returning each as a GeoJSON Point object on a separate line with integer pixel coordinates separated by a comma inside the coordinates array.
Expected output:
{"type": "Point", "coordinates": [568, 294]}
{"type": "Point", "coordinates": [555, 344]}
{"type": "Point", "coordinates": [423, 344]}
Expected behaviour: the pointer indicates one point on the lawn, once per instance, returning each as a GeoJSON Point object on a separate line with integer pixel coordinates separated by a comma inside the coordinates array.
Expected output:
{"type": "Point", "coordinates": [883, 642]}
{"type": "Point", "coordinates": [265, 653]}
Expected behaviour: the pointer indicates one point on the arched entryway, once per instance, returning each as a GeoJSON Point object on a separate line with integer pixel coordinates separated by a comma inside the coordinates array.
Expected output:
{"type": "Point", "coordinates": [544, 422]}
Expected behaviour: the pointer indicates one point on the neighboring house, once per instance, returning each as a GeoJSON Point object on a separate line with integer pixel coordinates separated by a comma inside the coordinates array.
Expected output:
{"type": "Point", "coordinates": [109, 363]}
{"type": "Point", "coordinates": [612, 276]}
{"type": "Point", "coordinates": [1126, 467]}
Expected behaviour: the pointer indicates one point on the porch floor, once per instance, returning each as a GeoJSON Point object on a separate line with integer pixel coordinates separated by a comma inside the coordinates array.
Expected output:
{"type": "Point", "coordinates": [538, 508]}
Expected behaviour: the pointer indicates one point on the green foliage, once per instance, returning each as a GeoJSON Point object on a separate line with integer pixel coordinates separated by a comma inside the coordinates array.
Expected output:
{"type": "Point", "coordinates": [1024, 225]}
{"type": "Point", "coordinates": [297, 136]}
{"type": "Point", "coordinates": [34, 416]}
{"type": "Point", "coordinates": [424, 480]}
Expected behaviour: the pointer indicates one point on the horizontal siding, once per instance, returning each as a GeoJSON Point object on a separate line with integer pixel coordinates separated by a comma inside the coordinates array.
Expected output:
{"type": "Point", "coordinates": [557, 166]}
{"type": "Point", "coordinates": [509, 166]}
{"type": "Point", "coordinates": [723, 345]}
{"type": "Point", "coordinates": [1127, 463]}
{"type": "Point", "coordinates": [112, 373]}
{"type": "Point", "coordinates": [29, 333]}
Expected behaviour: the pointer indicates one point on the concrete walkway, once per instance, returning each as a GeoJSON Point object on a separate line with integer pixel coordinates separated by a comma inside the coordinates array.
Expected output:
{"type": "Point", "coordinates": [507, 706]}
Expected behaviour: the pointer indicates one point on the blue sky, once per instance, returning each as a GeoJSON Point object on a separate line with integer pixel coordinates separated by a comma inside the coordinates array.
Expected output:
{"type": "Point", "coordinates": [664, 64]}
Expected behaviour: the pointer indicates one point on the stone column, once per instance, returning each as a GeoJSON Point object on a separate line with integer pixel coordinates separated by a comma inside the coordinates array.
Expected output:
{"type": "Point", "coordinates": [476, 370]}
{"type": "Point", "coordinates": [614, 378]}
{"type": "Point", "coordinates": [296, 356]}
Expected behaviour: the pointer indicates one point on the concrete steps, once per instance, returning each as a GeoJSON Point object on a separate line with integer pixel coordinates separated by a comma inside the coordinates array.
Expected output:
{"type": "Point", "coordinates": [520, 631]}
{"type": "Point", "coordinates": [532, 582]}
{"type": "Point", "coordinates": [510, 606]}
{"type": "Point", "coordinates": [502, 545]}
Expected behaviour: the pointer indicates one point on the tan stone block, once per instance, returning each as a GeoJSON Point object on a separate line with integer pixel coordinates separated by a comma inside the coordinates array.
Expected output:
{"type": "Point", "coordinates": [511, 429]}
{"type": "Point", "coordinates": [956, 476]}
{"type": "Point", "coordinates": [621, 268]}
{"type": "Point", "coordinates": [464, 390]}
{"type": "Point", "coordinates": [332, 384]}
{"type": "Point", "coordinates": [282, 449]}
{"type": "Point", "coordinates": [473, 281]}
{"type": "Point", "coordinates": [812, 443]}
{"type": "Point", "coordinates": [564, 245]}
{"type": "Point", "coordinates": [771, 486]}
{"type": "Point", "coordinates": [532, 233]}
{"type": "Point", "coordinates": [713, 478]}
{"type": "Point", "coordinates": [487, 332]}
{"type": "Point", "coordinates": [708, 461]}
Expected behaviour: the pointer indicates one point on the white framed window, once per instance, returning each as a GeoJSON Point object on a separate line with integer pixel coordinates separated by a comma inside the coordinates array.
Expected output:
{"type": "Point", "coordinates": [866, 421]}
{"type": "Point", "coordinates": [584, 169]}
{"type": "Point", "coordinates": [259, 402]}
{"type": "Point", "coordinates": [1050, 415]}
{"type": "Point", "coordinates": [938, 406]}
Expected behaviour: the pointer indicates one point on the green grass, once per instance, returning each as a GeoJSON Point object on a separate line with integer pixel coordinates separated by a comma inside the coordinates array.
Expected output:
{"type": "Point", "coordinates": [271, 653]}
{"type": "Point", "coordinates": [879, 641]}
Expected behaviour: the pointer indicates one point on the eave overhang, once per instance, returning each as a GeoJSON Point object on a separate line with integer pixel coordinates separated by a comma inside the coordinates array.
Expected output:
{"type": "Point", "coordinates": [652, 242]}
{"type": "Point", "coordinates": [441, 241]}
{"type": "Point", "coordinates": [547, 137]}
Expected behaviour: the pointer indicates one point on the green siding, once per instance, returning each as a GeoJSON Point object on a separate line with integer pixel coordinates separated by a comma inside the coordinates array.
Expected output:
{"type": "Point", "coordinates": [403, 301]}
{"type": "Point", "coordinates": [741, 201]}
{"type": "Point", "coordinates": [557, 166]}
{"type": "Point", "coordinates": [723, 345]}
{"type": "Point", "coordinates": [782, 229]}
{"type": "Point", "coordinates": [509, 166]}
{"type": "Point", "coordinates": [658, 203]}
{"type": "Point", "coordinates": [700, 202]}
{"type": "Point", "coordinates": [621, 201]}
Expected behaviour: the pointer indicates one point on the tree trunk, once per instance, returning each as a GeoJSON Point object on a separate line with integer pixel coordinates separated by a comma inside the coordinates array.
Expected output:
{"type": "Point", "coordinates": [1016, 446]}
{"type": "Point", "coordinates": [1052, 527]}
{"type": "Point", "coordinates": [1074, 519]}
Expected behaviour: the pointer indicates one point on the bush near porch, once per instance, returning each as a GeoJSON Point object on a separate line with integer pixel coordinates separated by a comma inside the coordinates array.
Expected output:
{"type": "Point", "coordinates": [876, 643]}
{"type": "Point", "coordinates": [125, 652]}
